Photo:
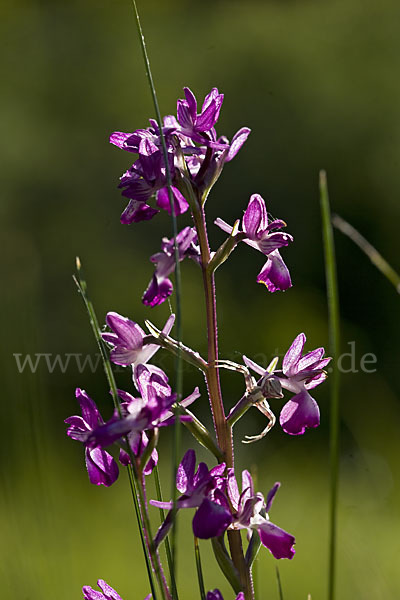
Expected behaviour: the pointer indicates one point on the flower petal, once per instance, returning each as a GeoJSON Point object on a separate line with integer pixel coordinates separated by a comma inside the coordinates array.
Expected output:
{"type": "Point", "coordinates": [137, 211]}
{"type": "Point", "coordinates": [237, 142]}
{"type": "Point", "coordinates": [156, 293]}
{"type": "Point", "coordinates": [292, 356]}
{"type": "Point", "coordinates": [275, 274]}
{"type": "Point", "coordinates": [102, 468]}
{"type": "Point", "coordinates": [210, 520]}
{"type": "Point", "coordinates": [278, 541]}
{"type": "Point", "coordinates": [271, 495]}
{"type": "Point", "coordinates": [299, 413]}
{"type": "Point", "coordinates": [255, 218]}
{"type": "Point", "coordinates": [185, 472]}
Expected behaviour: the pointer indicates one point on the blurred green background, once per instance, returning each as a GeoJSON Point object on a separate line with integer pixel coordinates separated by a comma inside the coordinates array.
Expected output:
{"type": "Point", "coordinates": [318, 84]}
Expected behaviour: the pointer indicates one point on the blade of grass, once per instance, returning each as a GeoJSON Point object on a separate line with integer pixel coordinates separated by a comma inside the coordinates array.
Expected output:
{"type": "Point", "coordinates": [179, 377]}
{"type": "Point", "coordinates": [82, 287]}
{"type": "Point", "coordinates": [375, 257]}
{"type": "Point", "coordinates": [334, 342]}
{"type": "Point", "coordinates": [167, 545]}
{"type": "Point", "coordinates": [199, 569]}
{"type": "Point", "coordinates": [278, 579]}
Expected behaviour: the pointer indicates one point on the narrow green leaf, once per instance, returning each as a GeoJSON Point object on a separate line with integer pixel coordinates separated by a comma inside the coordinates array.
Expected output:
{"type": "Point", "coordinates": [199, 569]}
{"type": "Point", "coordinates": [179, 373]}
{"type": "Point", "coordinates": [334, 335]}
{"type": "Point", "coordinates": [167, 546]}
{"type": "Point", "coordinates": [82, 287]}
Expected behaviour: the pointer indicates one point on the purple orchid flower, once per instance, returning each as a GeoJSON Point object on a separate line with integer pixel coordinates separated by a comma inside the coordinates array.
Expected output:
{"type": "Point", "coordinates": [216, 595]}
{"type": "Point", "coordinates": [107, 592]}
{"type": "Point", "coordinates": [261, 235]}
{"type": "Point", "coordinates": [152, 410]}
{"type": "Point", "coordinates": [146, 177]}
{"type": "Point", "coordinates": [160, 287]}
{"type": "Point", "coordinates": [299, 374]}
{"type": "Point", "coordinates": [127, 338]}
{"type": "Point", "coordinates": [136, 142]}
{"type": "Point", "coordinates": [193, 125]}
{"type": "Point", "coordinates": [252, 514]}
{"type": "Point", "coordinates": [198, 491]}
{"type": "Point", "coordinates": [101, 467]}
{"type": "Point", "coordinates": [137, 440]}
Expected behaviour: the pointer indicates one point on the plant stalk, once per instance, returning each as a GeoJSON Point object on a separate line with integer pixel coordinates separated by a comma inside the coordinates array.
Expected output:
{"type": "Point", "coordinates": [222, 428]}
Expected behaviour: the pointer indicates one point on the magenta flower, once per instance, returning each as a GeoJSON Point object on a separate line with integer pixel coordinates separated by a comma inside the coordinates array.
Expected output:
{"type": "Point", "coordinates": [146, 177]}
{"type": "Point", "coordinates": [107, 592]}
{"type": "Point", "coordinates": [198, 489]}
{"type": "Point", "coordinates": [101, 467]}
{"type": "Point", "coordinates": [127, 338]}
{"type": "Point", "coordinates": [252, 514]}
{"type": "Point", "coordinates": [262, 236]}
{"type": "Point", "coordinates": [160, 286]}
{"type": "Point", "coordinates": [299, 374]}
{"type": "Point", "coordinates": [153, 409]}
{"type": "Point", "coordinates": [194, 125]}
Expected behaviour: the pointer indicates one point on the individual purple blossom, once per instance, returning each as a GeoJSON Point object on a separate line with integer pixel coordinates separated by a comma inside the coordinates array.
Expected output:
{"type": "Point", "coordinates": [146, 177]}
{"type": "Point", "coordinates": [101, 467]}
{"type": "Point", "coordinates": [160, 286]}
{"type": "Point", "coordinates": [199, 490]}
{"type": "Point", "coordinates": [252, 514]}
{"type": "Point", "coordinates": [127, 338]}
{"type": "Point", "coordinates": [152, 410]}
{"type": "Point", "coordinates": [136, 142]}
{"type": "Point", "coordinates": [261, 235]}
{"type": "Point", "coordinates": [193, 125]}
{"type": "Point", "coordinates": [299, 374]}
{"type": "Point", "coordinates": [107, 592]}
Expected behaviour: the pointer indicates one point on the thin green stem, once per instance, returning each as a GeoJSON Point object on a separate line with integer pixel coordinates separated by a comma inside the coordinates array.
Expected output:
{"type": "Point", "coordinates": [375, 257]}
{"type": "Point", "coordinates": [82, 287]}
{"type": "Point", "coordinates": [334, 335]}
{"type": "Point", "coordinates": [179, 375]}
{"type": "Point", "coordinates": [167, 545]}
{"type": "Point", "coordinates": [278, 578]}
{"type": "Point", "coordinates": [199, 569]}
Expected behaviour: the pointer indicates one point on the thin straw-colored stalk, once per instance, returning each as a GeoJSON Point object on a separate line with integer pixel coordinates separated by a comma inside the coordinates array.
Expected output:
{"type": "Point", "coordinates": [199, 569]}
{"type": "Point", "coordinates": [334, 335]}
{"type": "Point", "coordinates": [179, 377]}
{"type": "Point", "coordinates": [375, 257]}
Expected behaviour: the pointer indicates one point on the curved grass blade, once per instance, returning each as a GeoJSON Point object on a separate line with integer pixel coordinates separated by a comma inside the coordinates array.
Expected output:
{"type": "Point", "coordinates": [375, 257]}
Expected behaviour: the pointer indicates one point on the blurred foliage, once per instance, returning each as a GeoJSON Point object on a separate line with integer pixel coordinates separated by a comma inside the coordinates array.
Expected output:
{"type": "Point", "coordinates": [316, 83]}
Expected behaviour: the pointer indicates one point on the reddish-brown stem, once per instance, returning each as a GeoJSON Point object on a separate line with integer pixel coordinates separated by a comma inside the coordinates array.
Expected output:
{"type": "Point", "coordinates": [222, 428]}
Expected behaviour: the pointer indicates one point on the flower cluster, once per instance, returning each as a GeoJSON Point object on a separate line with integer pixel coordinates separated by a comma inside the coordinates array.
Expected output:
{"type": "Point", "coordinates": [177, 163]}
{"type": "Point", "coordinates": [213, 493]}
{"type": "Point", "coordinates": [191, 136]}
{"type": "Point", "coordinates": [136, 417]}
